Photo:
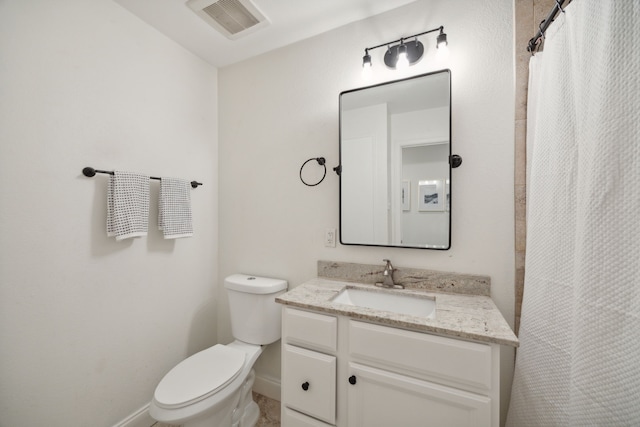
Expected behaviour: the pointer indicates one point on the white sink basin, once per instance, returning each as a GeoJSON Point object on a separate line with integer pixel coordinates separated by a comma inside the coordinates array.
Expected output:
{"type": "Point", "coordinates": [410, 304]}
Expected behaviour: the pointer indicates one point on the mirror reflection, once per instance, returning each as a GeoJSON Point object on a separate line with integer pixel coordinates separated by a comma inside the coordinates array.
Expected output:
{"type": "Point", "coordinates": [394, 155]}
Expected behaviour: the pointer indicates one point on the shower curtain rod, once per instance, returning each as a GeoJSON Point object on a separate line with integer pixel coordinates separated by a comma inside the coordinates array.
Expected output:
{"type": "Point", "coordinates": [534, 43]}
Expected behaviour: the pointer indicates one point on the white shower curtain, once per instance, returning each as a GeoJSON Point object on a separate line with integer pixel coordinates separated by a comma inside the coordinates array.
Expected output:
{"type": "Point", "coordinates": [579, 358]}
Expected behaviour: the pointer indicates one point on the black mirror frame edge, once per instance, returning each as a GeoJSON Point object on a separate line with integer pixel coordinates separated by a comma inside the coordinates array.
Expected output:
{"type": "Point", "coordinates": [453, 159]}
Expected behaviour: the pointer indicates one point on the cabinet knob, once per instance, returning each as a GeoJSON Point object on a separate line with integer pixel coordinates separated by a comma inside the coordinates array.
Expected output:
{"type": "Point", "coordinates": [305, 385]}
{"type": "Point", "coordinates": [352, 379]}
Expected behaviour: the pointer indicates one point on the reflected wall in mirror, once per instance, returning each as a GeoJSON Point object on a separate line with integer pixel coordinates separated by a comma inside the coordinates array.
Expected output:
{"type": "Point", "coordinates": [395, 179]}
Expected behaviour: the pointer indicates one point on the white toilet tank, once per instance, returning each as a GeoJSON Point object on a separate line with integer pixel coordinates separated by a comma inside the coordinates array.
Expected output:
{"type": "Point", "coordinates": [255, 316]}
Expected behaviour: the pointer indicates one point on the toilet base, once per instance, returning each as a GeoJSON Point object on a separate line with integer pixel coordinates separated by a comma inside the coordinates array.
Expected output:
{"type": "Point", "coordinates": [243, 413]}
{"type": "Point", "coordinates": [232, 406]}
{"type": "Point", "coordinates": [247, 412]}
{"type": "Point", "coordinates": [251, 415]}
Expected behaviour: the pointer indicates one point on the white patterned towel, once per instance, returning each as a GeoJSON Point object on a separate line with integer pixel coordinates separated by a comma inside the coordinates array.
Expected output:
{"type": "Point", "coordinates": [127, 205]}
{"type": "Point", "coordinates": [174, 214]}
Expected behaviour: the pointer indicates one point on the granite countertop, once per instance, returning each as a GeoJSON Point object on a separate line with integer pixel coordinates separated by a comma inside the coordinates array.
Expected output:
{"type": "Point", "coordinates": [473, 317]}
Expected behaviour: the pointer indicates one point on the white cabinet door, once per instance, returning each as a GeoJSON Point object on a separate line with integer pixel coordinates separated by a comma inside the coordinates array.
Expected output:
{"type": "Point", "coordinates": [460, 364]}
{"type": "Point", "coordinates": [309, 382]}
{"type": "Point", "coordinates": [381, 399]}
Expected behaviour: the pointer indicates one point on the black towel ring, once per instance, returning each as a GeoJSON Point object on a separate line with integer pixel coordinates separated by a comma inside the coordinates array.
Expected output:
{"type": "Point", "coordinates": [322, 162]}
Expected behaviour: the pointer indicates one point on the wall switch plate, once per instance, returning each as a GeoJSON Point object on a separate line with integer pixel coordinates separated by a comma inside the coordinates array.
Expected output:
{"type": "Point", "coordinates": [330, 237]}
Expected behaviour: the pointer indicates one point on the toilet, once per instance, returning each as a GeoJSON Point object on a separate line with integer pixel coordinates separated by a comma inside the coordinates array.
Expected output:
{"type": "Point", "coordinates": [213, 387]}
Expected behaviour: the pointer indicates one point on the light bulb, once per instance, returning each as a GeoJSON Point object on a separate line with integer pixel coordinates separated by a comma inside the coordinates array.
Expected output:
{"type": "Point", "coordinates": [366, 60]}
{"type": "Point", "coordinates": [403, 60]}
{"type": "Point", "coordinates": [366, 71]}
{"type": "Point", "coordinates": [441, 41]}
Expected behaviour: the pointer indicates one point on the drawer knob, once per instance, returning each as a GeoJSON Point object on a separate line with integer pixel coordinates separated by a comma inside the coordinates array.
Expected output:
{"type": "Point", "coordinates": [352, 379]}
{"type": "Point", "coordinates": [305, 385]}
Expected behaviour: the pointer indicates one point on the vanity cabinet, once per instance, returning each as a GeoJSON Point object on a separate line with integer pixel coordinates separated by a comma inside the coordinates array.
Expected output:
{"type": "Point", "coordinates": [361, 374]}
{"type": "Point", "coordinates": [309, 381]}
{"type": "Point", "coordinates": [420, 379]}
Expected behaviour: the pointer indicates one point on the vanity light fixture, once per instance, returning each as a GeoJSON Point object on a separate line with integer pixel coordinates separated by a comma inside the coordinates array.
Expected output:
{"type": "Point", "coordinates": [366, 59]}
{"type": "Point", "coordinates": [406, 52]}
{"type": "Point", "coordinates": [441, 41]}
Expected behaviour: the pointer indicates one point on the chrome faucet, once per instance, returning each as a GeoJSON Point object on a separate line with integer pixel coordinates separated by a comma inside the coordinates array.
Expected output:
{"type": "Point", "coordinates": [388, 277]}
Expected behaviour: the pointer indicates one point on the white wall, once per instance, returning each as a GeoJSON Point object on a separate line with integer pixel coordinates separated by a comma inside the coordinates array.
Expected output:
{"type": "Point", "coordinates": [88, 326]}
{"type": "Point", "coordinates": [365, 213]}
{"type": "Point", "coordinates": [281, 108]}
{"type": "Point", "coordinates": [421, 163]}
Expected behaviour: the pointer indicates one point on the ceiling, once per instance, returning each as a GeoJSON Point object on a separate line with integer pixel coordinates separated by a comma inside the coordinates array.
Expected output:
{"type": "Point", "coordinates": [290, 21]}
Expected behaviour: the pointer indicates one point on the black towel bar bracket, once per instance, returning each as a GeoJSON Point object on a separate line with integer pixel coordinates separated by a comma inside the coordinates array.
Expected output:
{"type": "Point", "coordinates": [92, 172]}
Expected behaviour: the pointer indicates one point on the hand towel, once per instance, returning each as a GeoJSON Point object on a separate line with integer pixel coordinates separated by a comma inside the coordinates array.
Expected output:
{"type": "Point", "coordinates": [127, 205]}
{"type": "Point", "coordinates": [174, 213]}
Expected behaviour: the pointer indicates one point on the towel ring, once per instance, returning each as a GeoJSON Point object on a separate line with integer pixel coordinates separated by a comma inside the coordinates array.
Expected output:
{"type": "Point", "coordinates": [322, 162]}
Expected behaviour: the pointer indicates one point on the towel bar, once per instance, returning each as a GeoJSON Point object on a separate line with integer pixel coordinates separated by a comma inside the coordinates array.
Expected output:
{"type": "Point", "coordinates": [92, 172]}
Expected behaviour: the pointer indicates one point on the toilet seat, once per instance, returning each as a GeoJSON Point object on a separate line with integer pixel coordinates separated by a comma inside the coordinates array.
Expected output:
{"type": "Point", "coordinates": [199, 376]}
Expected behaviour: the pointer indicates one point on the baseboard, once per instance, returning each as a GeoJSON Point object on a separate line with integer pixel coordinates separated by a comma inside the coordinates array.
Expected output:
{"type": "Point", "coordinates": [139, 418]}
{"type": "Point", "coordinates": [267, 386]}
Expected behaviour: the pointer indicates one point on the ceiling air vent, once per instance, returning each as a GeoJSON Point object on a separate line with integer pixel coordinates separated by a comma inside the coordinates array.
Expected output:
{"type": "Point", "coordinates": [232, 18]}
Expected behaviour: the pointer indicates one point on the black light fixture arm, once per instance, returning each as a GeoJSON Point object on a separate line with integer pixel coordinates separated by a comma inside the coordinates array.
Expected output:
{"type": "Point", "coordinates": [402, 39]}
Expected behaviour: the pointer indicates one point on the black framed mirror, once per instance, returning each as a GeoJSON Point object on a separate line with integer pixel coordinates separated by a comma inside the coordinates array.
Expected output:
{"type": "Point", "coordinates": [395, 163]}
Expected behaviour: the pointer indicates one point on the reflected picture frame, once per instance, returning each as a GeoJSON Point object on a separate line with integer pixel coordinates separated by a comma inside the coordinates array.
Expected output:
{"type": "Point", "coordinates": [430, 196]}
{"type": "Point", "coordinates": [405, 194]}
{"type": "Point", "coordinates": [447, 195]}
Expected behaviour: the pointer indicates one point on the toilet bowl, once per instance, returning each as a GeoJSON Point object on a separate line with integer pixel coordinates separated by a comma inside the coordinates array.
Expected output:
{"type": "Point", "coordinates": [213, 387]}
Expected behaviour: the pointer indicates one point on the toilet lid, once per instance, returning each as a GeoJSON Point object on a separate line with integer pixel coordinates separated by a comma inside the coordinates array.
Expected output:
{"type": "Point", "coordinates": [199, 376]}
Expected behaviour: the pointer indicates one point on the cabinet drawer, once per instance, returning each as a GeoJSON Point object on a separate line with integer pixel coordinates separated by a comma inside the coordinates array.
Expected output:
{"type": "Point", "coordinates": [437, 358]}
{"type": "Point", "coordinates": [291, 418]}
{"type": "Point", "coordinates": [309, 382]}
{"type": "Point", "coordinates": [312, 330]}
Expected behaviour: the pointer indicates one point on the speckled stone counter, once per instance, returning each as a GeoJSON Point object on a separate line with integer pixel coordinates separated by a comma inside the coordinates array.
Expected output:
{"type": "Point", "coordinates": [473, 317]}
{"type": "Point", "coordinates": [414, 278]}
